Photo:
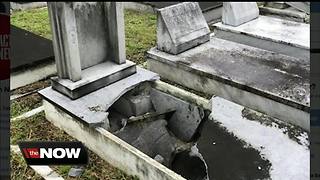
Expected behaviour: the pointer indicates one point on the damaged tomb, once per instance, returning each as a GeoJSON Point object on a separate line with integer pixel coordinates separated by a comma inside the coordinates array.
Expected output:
{"type": "Point", "coordinates": [110, 104]}
{"type": "Point", "coordinates": [153, 130]}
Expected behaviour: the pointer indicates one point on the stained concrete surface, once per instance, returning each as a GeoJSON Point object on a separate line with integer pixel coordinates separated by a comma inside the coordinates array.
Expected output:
{"type": "Point", "coordinates": [28, 48]}
{"type": "Point", "coordinates": [227, 157]}
{"type": "Point", "coordinates": [282, 31]}
{"type": "Point", "coordinates": [281, 78]}
{"type": "Point", "coordinates": [203, 5]}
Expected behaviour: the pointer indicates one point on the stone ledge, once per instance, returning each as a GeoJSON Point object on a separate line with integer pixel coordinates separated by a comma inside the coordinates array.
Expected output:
{"type": "Point", "coordinates": [94, 78]}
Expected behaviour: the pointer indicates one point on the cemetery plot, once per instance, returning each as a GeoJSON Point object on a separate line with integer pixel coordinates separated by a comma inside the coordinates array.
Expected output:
{"type": "Point", "coordinates": [273, 34]}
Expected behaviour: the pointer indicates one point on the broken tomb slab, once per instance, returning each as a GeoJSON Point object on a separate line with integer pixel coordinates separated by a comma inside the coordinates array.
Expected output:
{"type": "Point", "coordinates": [185, 121]}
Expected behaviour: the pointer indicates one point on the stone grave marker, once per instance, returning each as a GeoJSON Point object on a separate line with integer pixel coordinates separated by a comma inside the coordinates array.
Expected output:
{"type": "Point", "coordinates": [181, 27]}
{"type": "Point", "coordinates": [89, 46]}
{"type": "Point", "coordinates": [237, 13]}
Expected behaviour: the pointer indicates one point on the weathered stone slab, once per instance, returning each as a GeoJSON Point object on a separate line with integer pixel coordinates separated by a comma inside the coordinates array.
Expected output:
{"type": "Point", "coordinates": [237, 13]}
{"type": "Point", "coordinates": [285, 37]}
{"type": "Point", "coordinates": [133, 105]}
{"type": "Point", "coordinates": [93, 78]}
{"type": "Point", "coordinates": [288, 14]}
{"type": "Point", "coordinates": [277, 5]}
{"type": "Point", "coordinates": [91, 109]}
{"type": "Point", "coordinates": [302, 6]}
{"type": "Point", "coordinates": [181, 27]}
{"type": "Point", "coordinates": [185, 121]}
{"type": "Point", "coordinates": [275, 84]}
{"type": "Point", "coordinates": [155, 139]}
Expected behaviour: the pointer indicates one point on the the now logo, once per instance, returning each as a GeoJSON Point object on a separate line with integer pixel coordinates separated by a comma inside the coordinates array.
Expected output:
{"type": "Point", "coordinates": [58, 153]}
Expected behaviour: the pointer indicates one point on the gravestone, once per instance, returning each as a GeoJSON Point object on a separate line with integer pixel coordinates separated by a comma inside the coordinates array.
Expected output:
{"type": "Point", "coordinates": [237, 13]}
{"type": "Point", "coordinates": [302, 6]}
{"type": "Point", "coordinates": [181, 27]}
{"type": "Point", "coordinates": [89, 46]}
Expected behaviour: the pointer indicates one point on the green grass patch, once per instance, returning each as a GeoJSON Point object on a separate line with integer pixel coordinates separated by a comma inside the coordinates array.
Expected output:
{"type": "Point", "coordinates": [96, 169]}
{"type": "Point", "coordinates": [34, 20]}
{"type": "Point", "coordinates": [140, 29]}
{"type": "Point", "coordinates": [37, 128]}
{"type": "Point", "coordinates": [20, 169]}
{"type": "Point", "coordinates": [25, 104]}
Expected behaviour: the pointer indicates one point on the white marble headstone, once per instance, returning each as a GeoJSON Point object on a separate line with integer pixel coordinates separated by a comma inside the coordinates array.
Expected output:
{"type": "Point", "coordinates": [181, 27]}
{"type": "Point", "coordinates": [237, 13]}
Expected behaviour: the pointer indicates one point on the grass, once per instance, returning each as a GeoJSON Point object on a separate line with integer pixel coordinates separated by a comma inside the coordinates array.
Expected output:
{"type": "Point", "coordinates": [37, 128]}
{"type": "Point", "coordinates": [140, 29]}
{"type": "Point", "coordinates": [25, 104]}
{"type": "Point", "coordinates": [20, 170]}
{"type": "Point", "coordinates": [34, 20]}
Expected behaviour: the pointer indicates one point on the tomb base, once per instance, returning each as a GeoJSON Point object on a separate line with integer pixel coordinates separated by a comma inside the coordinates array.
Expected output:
{"type": "Point", "coordinates": [94, 78]}
{"type": "Point", "coordinates": [272, 34]}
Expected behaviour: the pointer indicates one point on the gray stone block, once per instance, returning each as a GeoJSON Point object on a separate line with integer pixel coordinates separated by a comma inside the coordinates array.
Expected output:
{"type": "Point", "coordinates": [185, 121]}
{"type": "Point", "coordinates": [93, 78]}
{"type": "Point", "coordinates": [156, 140]}
{"type": "Point", "coordinates": [181, 27]}
{"type": "Point", "coordinates": [237, 13]}
{"type": "Point", "coordinates": [131, 105]}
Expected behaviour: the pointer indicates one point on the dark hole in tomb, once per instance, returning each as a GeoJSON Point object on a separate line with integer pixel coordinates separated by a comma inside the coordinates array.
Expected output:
{"type": "Point", "coordinates": [218, 154]}
{"type": "Point", "coordinates": [189, 167]}
{"type": "Point", "coordinates": [227, 157]}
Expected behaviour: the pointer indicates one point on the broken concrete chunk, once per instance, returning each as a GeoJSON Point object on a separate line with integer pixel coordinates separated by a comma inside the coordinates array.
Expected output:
{"type": "Point", "coordinates": [181, 27]}
{"type": "Point", "coordinates": [133, 105]}
{"type": "Point", "coordinates": [237, 13]}
{"type": "Point", "coordinates": [185, 121]}
{"type": "Point", "coordinates": [156, 140]}
{"type": "Point", "coordinates": [76, 171]}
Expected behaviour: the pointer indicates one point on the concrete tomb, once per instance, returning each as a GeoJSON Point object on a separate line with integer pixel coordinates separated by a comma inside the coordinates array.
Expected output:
{"type": "Point", "coordinates": [240, 73]}
{"type": "Point", "coordinates": [237, 13]}
{"type": "Point", "coordinates": [89, 54]}
{"type": "Point", "coordinates": [273, 34]}
{"type": "Point", "coordinates": [99, 89]}
{"type": "Point", "coordinates": [181, 27]}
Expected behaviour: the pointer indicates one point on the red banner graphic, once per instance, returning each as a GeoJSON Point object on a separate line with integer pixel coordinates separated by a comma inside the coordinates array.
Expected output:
{"type": "Point", "coordinates": [4, 69]}
{"type": "Point", "coordinates": [4, 24]}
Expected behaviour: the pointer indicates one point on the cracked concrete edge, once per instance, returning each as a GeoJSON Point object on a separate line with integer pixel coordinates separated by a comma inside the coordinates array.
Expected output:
{"type": "Point", "coordinates": [44, 171]}
{"type": "Point", "coordinates": [183, 94]}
